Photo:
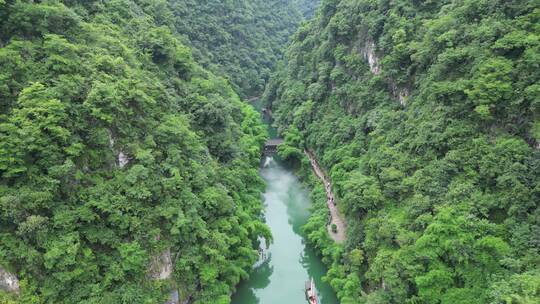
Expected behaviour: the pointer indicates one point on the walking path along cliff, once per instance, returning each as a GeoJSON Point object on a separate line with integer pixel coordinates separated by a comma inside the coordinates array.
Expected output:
{"type": "Point", "coordinates": [335, 216]}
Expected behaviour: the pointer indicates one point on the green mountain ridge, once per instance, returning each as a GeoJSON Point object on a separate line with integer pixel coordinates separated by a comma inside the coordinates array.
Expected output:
{"type": "Point", "coordinates": [129, 161]}
{"type": "Point", "coordinates": [425, 115]}
{"type": "Point", "coordinates": [119, 155]}
{"type": "Point", "coordinates": [241, 40]}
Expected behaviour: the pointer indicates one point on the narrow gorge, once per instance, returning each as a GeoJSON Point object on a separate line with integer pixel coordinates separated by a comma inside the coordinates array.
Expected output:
{"type": "Point", "coordinates": [269, 152]}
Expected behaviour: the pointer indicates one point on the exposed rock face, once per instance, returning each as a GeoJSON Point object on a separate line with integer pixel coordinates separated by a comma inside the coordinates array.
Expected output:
{"type": "Point", "coordinates": [368, 52]}
{"type": "Point", "coordinates": [161, 267]}
{"type": "Point", "coordinates": [401, 94]}
{"type": "Point", "coordinates": [175, 298]}
{"type": "Point", "coordinates": [8, 281]}
{"type": "Point", "coordinates": [123, 159]}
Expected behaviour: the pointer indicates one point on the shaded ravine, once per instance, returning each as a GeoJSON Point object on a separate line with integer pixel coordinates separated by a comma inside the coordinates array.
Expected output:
{"type": "Point", "coordinates": [289, 261]}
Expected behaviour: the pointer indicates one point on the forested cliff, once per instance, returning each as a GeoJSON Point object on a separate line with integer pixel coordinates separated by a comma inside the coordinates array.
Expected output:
{"type": "Point", "coordinates": [240, 39]}
{"type": "Point", "coordinates": [425, 116]}
{"type": "Point", "coordinates": [127, 170]}
{"type": "Point", "coordinates": [129, 162]}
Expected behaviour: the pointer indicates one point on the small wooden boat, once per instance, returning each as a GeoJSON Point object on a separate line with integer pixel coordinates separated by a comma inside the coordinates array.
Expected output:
{"type": "Point", "coordinates": [311, 292]}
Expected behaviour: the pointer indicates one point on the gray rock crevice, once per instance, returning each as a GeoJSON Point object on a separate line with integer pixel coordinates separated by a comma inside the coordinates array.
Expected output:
{"type": "Point", "coordinates": [122, 158]}
{"type": "Point", "coordinates": [368, 50]}
{"type": "Point", "coordinates": [9, 281]}
{"type": "Point", "coordinates": [161, 266]}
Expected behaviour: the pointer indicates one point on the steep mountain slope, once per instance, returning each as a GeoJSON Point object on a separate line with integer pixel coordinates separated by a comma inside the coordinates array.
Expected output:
{"type": "Point", "coordinates": [126, 169]}
{"type": "Point", "coordinates": [241, 40]}
{"type": "Point", "coordinates": [425, 114]}
{"type": "Point", "coordinates": [307, 7]}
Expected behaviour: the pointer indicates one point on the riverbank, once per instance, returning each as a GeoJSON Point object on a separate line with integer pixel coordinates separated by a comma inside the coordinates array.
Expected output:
{"type": "Point", "coordinates": [290, 259]}
{"type": "Point", "coordinates": [316, 229]}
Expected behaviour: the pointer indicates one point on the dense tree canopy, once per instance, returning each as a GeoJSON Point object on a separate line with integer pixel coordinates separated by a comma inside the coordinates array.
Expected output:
{"type": "Point", "coordinates": [115, 147]}
{"type": "Point", "coordinates": [242, 40]}
{"type": "Point", "coordinates": [426, 116]}
{"type": "Point", "coordinates": [124, 143]}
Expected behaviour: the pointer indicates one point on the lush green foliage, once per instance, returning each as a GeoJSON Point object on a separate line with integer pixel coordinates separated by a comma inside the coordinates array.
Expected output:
{"type": "Point", "coordinates": [441, 191]}
{"type": "Point", "coordinates": [115, 145]}
{"type": "Point", "coordinates": [241, 40]}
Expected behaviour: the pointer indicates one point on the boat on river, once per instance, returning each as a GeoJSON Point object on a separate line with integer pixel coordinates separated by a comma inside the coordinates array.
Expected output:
{"type": "Point", "coordinates": [311, 292]}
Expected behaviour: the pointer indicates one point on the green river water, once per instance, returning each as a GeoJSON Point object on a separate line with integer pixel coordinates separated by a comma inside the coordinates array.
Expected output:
{"type": "Point", "coordinates": [290, 262]}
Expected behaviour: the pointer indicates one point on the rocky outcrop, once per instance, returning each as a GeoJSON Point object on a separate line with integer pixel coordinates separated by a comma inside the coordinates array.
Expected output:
{"type": "Point", "coordinates": [121, 157]}
{"type": "Point", "coordinates": [368, 50]}
{"type": "Point", "coordinates": [401, 94]}
{"type": "Point", "coordinates": [9, 281]}
{"type": "Point", "coordinates": [174, 298]}
{"type": "Point", "coordinates": [161, 266]}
